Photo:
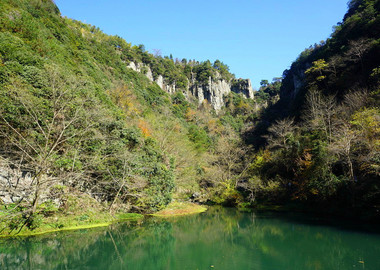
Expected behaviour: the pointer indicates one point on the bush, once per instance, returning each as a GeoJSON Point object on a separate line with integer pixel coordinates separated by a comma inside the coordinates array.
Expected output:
{"type": "Point", "coordinates": [200, 137]}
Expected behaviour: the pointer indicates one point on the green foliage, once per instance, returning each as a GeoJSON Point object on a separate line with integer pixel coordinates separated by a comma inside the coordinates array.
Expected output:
{"type": "Point", "coordinates": [328, 160]}
{"type": "Point", "coordinates": [268, 92]}
{"type": "Point", "coordinates": [180, 105]}
{"type": "Point", "coordinates": [48, 208]}
{"type": "Point", "coordinates": [226, 194]}
{"type": "Point", "coordinates": [236, 123]}
{"type": "Point", "coordinates": [72, 110]}
{"type": "Point", "coordinates": [155, 96]}
{"type": "Point", "coordinates": [204, 72]}
{"type": "Point", "coordinates": [54, 74]}
{"type": "Point", "coordinates": [223, 70]}
{"type": "Point", "coordinates": [199, 137]}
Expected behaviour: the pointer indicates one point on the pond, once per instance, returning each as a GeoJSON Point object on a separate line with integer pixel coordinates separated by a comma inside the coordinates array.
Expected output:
{"type": "Point", "coordinates": [220, 238]}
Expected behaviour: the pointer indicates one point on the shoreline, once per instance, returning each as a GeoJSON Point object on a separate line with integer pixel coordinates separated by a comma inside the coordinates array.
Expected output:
{"type": "Point", "coordinates": [174, 209]}
{"type": "Point", "coordinates": [72, 228]}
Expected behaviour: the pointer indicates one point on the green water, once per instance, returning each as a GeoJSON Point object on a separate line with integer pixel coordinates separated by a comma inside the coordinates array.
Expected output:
{"type": "Point", "coordinates": [218, 239]}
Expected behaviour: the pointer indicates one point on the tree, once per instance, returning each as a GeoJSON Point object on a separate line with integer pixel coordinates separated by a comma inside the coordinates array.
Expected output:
{"type": "Point", "coordinates": [126, 184]}
{"type": "Point", "coordinates": [264, 83]}
{"type": "Point", "coordinates": [358, 49]}
{"type": "Point", "coordinates": [343, 141]}
{"type": "Point", "coordinates": [229, 154]}
{"type": "Point", "coordinates": [280, 133]}
{"type": "Point", "coordinates": [46, 128]}
{"type": "Point", "coordinates": [334, 64]}
{"type": "Point", "coordinates": [317, 72]}
{"type": "Point", "coordinates": [366, 125]}
{"type": "Point", "coordinates": [157, 53]}
{"type": "Point", "coordinates": [141, 48]}
{"type": "Point", "coordinates": [320, 111]}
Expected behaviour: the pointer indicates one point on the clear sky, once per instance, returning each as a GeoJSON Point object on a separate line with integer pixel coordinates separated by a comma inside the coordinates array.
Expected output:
{"type": "Point", "coordinates": [257, 39]}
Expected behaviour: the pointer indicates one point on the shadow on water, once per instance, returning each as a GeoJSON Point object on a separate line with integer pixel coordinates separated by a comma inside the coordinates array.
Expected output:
{"type": "Point", "coordinates": [221, 238]}
{"type": "Point", "coordinates": [339, 223]}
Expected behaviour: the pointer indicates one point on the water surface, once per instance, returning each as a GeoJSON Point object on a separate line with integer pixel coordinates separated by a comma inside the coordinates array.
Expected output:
{"type": "Point", "coordinates": [218, 239]}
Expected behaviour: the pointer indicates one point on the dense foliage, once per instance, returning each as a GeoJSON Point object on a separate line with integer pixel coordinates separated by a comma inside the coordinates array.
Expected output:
{"type": "Point", "coordinates": [322, 136]}
{"type": "Point", "coordinates": [75, 118]}
{"type": "Point", "coordinates": [57, 120]}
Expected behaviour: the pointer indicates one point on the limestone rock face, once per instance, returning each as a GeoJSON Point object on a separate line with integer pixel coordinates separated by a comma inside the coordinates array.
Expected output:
{"type": "Point", "coordinates": [297, 77]}
{"type": "Point", "coordinates": [244, 87]}
{"type": "Point", "coordinates": [170, 88]}
{"type": "Point", "coordinates": [160, 81]}
{"type": "Point", "coordinates": [213, 91]}
{"type": "Point", "coordinates": [149, 75]}
{"type": "Point", "coordinates": [142, 68]}
{"type": "Point", "coordinates": [133, 66]}
{"type": "Point", "coordinates": [16, 185]}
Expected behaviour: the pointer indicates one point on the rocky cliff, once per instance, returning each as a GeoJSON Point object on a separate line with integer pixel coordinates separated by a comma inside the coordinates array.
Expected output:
{"type": "Point", "coordinates": [216, 89]}
{"type": "Point", "coordinates": [142, 68]}
{"type": "Point", "coordinates": [294, 82]}
{"type": "Point", "coordinates": [213, 90]}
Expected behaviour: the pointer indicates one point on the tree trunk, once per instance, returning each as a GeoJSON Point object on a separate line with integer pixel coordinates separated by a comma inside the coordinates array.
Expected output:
{"type": "Point", "coordinates": [351, 168]}
{"type": "Point", "coordinates": [37, 193]}
{"type": "Point", "coordinates": [117, 195]}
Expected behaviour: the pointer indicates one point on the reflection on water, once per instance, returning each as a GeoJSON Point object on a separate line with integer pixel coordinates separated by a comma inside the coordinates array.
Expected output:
{"type": "Point", "coordinates": [220, 239]}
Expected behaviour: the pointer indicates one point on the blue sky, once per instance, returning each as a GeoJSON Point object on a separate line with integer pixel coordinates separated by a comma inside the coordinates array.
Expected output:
{"type": "Point", "coordinates": [257, 39]}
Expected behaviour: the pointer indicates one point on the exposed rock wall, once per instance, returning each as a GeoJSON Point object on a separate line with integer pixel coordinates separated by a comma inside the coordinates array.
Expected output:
{"type": "Point", "coordinates": [142, 68]}
{"type": "Point", "coordinates": [294, 82]}
{"type": "Point", "coordinates": [243, 86]}
{"type": "Point", "coordinates": [213, 91]}
{"type": "Point", "coordinates": [14, 185]}
{"type": "Point", "coordinates": [18, 185]}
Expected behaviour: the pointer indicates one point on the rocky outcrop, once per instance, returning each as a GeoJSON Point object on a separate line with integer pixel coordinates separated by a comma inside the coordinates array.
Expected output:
{"type": "Point", "coordinates": [142, 68]}
{"type": "Point", "coordinates": [15, 185]}
{"type": "Point", "coordinates": [243, 86]}
{"type": "Point", "coordinates": [294, 81]}
{"type": "Point", "coordinates": [213, 90]}
{"type": "Point", "coordinates": [18, 185]}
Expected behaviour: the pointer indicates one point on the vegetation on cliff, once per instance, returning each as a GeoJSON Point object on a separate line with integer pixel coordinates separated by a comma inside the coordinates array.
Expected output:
{"type": "Point", "coordinates": [322, 136]}
{"type": "Point", "coordinates": [74, 119]}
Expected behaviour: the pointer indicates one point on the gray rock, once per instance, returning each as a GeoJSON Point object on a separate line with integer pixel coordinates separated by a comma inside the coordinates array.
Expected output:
{"type": "Point", "coordinates": [243, 86]}
{"type": "Point", "coordinates": [213, 91]}
{"type": "Point", "coordinates": [160, 81]}
{"type": "Point", "coordinates": [149, 74]}
{"type": "Point", "coordinates": [17, 184]}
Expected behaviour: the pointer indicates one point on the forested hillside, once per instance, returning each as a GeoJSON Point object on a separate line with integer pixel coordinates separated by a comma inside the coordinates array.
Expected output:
{"type": "Point", "coordinates": [74, 119]}
{"type": "Point", "coordinates": [323, 136]}
{"type": "Point", "coordinates": [86, 126]}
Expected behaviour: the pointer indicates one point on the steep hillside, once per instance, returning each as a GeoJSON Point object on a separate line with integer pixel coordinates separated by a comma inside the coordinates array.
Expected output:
{"type": "Point", "coordinates": [348, 60]}
{"type": "Point", "coordinates": [322, 137]}
{"type": "Point", "coordinates": [91, 123]}
{"type": "Point", "coordinates": [85, 112]}
{"type": "Point", "coordinates": [203, 82]}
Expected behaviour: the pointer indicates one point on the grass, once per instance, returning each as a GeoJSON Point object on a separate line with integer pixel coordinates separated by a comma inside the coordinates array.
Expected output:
{"type": "Point", "coordinates": [61, 222]}
{"type": "Point", "coordinates": [83, 212]}
{"type": "Point", "coordinates": [79, 212]}
{"type": "Point", "coordinates": [180, 209]}
{"type": "Point", "coordinates": [93, 219]}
